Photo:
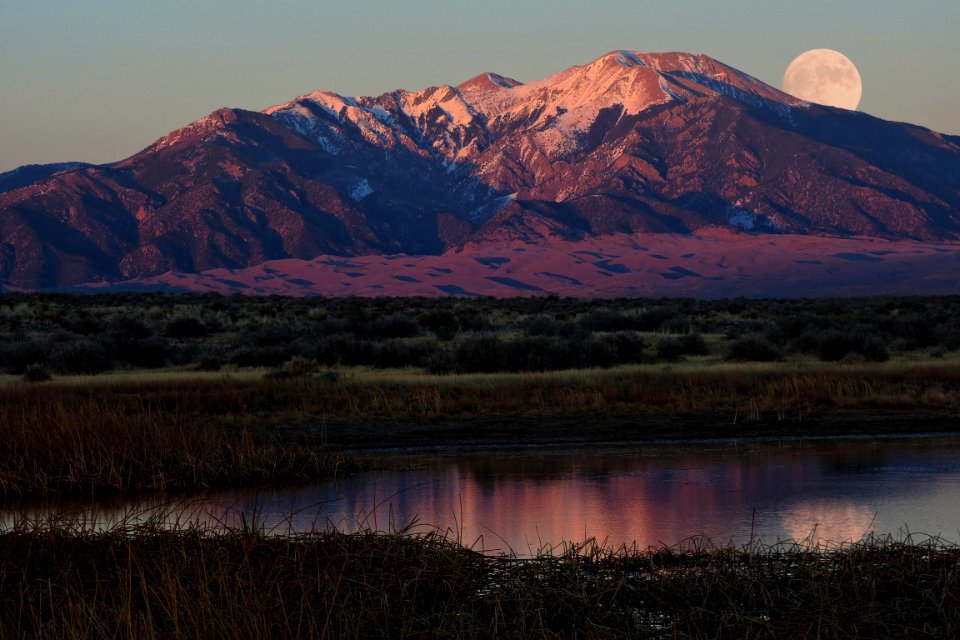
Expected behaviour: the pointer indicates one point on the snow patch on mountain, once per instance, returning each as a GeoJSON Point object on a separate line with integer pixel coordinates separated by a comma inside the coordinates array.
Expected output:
{"type": "Point", "coordinates": [665, 87]}
{"type": "Point", "coordinates": [628, 59]}
{"type": "Point", "coordinates": [500, 81]}
{"type": "Point", "coordinates": [361, 190]}
{"type": "Point", "coordinates": [302, 121]}
{"type": "Point", "coordinates": [446, 101]}
{"type": "Point", "coordinates": [743, 219]}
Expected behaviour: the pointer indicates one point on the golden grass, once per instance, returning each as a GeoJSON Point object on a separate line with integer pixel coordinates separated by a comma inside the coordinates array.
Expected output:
{"type": "Point", "coordinates": [750, 389]}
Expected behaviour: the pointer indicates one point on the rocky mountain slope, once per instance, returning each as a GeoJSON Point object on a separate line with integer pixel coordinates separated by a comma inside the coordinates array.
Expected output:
{"type": "Point", "coordinates": [631, 143]}
{"type": "Point", "coordinates": [30, 173]}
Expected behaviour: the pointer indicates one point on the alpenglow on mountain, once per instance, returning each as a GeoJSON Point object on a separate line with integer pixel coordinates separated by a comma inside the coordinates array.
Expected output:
{"type": "Point", "coordinates": [631, 144]}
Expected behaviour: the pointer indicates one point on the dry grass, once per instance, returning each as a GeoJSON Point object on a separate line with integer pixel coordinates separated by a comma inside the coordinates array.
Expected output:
{"type": "Point", "coordinates": [77, 440]}
{"type": "Point", "coordinates": [146, 582]}
{"type": "Point", "coordinates": [180, 431]}
{"type": "Point", "coordinates": [751, 391]}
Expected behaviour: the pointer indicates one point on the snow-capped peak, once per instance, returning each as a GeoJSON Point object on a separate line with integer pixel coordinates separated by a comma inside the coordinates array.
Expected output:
{"type": "Point", "coordinates": [555, 109]}
{"type": "Point", "coordinates": [488, 81]}
{"type": "Point", "coordinates": [628, 59]}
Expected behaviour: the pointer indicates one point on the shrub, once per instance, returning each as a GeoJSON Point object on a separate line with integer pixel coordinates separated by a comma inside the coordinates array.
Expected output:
{"type": "Point", "coordinates": [599, 351]}
{"type": "Point", "coordinates": [672, 349]}
{"type": "Point", "coordinates": [873, 348]}
{"type": "Point", "coordinates": [483, 353]}
{"type": "Point", "coordinates": [807, 342]}
{"type": "Point", "coordinates": [81, 324]}
{"type": "Point", "coordinates": [271, 335]}
{"type": "Point", "coordinates": [835, 346]}
{"type": "Point", "coordinates": [400, 353]}
{"type": "Point", "coordinates": [19, 355]}
{"type": "Point", "coordinates": [669, 350]}
{"type": "Point", "coordinates": [442, 361]}
{"type": "Point", "coordinates": [149, 353]}
{"type": "Point", "coordinates": [609, 349]}
{"type": "Point", "coordinates": [37, 372]}
{"type": "Point", "coordinates": [442, 323]}
{"type": "Point", "coordinates": [260, 356]}
{"type": "Point", "coordinates": [605, 320]}
{"type": "Point", "coordinates": [125, 328]}
{"type": "Point", "coordinates": [398, 325]}
{"type": "Point", "coordinates": [472, 318]}
{"type": "Point", "coordinates": [904, 344]}
{"type": "Point", "coordinates": [299, 367]}
{"type": "Point", "coordinates": [80, 356]}
{"type": "Point", "coordinates": [753, 349]}
{"type": "Point", "coordinates": [211, 362]}
{"type": "Point", "coordinates": [537, 353]}
{"type": "Point", "coordinates": [187, 327]}
{"type": "Point", "coordinates": [540, 325]}
{"type": "Point", "coordinates": [676, 324]}
{"type": "Point", "coordinates": [655, 318]}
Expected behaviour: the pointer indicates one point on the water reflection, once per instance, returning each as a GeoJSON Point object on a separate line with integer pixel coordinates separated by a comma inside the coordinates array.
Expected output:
{"type": "Point", "coordinates": [521, 501]}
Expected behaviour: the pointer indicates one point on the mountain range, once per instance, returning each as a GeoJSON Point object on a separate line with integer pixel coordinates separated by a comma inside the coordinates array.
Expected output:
{"type": "Point", "coordinates": [628, 149]}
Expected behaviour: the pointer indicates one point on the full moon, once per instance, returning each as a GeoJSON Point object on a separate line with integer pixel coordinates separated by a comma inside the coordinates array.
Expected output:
{"type": "Point", "coordinates": [826, 77]}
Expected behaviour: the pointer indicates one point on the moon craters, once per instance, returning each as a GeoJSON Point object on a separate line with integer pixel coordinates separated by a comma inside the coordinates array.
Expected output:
{"type": "Point", "coordinates": [825, 77]}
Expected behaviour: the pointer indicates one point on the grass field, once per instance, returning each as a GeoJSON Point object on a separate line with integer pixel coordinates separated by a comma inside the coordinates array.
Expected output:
{"type": "Point", "coordinates": [147, 582]}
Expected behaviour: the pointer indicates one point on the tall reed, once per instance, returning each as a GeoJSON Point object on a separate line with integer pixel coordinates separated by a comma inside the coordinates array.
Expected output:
{"type": "Point", "coordinates": [82, 442]}
{"type": "Point", "coordinates": [148, 582]}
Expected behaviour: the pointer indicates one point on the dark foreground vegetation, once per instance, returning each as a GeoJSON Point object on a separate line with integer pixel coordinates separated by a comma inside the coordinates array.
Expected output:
{"type": "Point", "coordinates": [145, 582]}
{"type": "Point", "coordinates": [193, 392]}
{"type": "Point", "coordinates": [44, 334]}
{"type": "Point", "coordinates": [82, 441]}
{"type": "Point", "coordinates": [124, 434]}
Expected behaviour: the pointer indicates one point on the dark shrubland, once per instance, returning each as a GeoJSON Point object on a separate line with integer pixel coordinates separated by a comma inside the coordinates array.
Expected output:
{"type": "Point", "coordinates": [673, 349]}
{"type": "Point", "coordinates": [90, 334]}
{"type": "Point", "coordinates": [753, 349]}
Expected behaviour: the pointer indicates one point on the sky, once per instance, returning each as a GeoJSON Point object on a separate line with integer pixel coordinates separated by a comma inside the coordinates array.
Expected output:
{"type": "Point", "coordinates": [98, 80]}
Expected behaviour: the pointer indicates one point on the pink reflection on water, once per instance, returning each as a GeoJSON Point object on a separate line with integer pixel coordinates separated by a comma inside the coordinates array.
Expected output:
{"type": "Point", "coordinates": [828, 522]}
{"type": "Point", "coordinates": [523, 502]}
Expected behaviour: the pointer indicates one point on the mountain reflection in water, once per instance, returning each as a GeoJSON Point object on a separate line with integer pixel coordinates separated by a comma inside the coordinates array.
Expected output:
{"type": "Point", "coordinates": [523, 500]}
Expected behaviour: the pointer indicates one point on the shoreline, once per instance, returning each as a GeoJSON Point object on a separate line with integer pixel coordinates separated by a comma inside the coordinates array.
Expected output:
{"type": "Point", "coordinates": [517, 432]}
{"type": "Point", "coordinates": [481, 449]}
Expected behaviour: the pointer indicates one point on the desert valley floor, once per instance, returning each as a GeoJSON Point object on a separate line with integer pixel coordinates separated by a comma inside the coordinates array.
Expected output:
{"type": "Point", "coordinates": [712, 264]}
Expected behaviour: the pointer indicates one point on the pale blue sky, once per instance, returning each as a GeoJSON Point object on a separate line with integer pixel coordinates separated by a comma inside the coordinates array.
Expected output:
{"type": "Point", "coordinates": [97, 80]}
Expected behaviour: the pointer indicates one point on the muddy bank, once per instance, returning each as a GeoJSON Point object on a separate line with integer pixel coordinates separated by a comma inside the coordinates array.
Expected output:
{"type": "Point", "coordinates": [578, 430]}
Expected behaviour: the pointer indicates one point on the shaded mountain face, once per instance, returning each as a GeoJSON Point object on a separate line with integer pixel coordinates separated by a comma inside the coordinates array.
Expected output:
{"type": "Point", "coordinates": [630, 143]}
{"type": "Point", "coordinates": [30, 173]}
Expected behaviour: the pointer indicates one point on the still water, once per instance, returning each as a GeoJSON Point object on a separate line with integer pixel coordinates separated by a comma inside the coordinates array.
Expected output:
{"type": "Point", "coordinates": [818, 492]}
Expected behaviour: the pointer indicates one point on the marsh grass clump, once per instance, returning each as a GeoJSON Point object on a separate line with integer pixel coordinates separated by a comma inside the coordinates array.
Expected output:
{"type": "Point", "coordinates": [147, 580]}
{"type": "Point", "coordinates": [59, 441]}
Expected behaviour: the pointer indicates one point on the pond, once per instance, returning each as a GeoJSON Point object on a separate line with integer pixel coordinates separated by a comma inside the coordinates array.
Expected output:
{"type": "Point", "coordinates": [525, 500]}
